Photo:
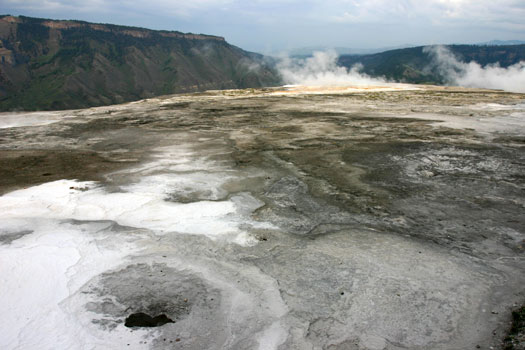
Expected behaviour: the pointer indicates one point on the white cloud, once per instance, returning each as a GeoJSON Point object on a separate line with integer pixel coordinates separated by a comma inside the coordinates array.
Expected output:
{"type": "Point", "coordinates": [436, 11]}
{"type": "Point", "coordinates": [342, 11]}
{"type": "Point", "coordinates": [283, 24]}
{"type": "Point", "coordinates": [338, 10]}
{"type": "Point", "coordinates": [54, 5]}
{"type": "Point", "coordinates": [173, 7]}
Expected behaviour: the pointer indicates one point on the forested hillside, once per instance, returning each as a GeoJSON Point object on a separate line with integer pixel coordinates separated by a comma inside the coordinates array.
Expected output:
{"type": "Point", "coordinates": [416, 65]}
{"type": "Point", "coordinates": [47, 64]}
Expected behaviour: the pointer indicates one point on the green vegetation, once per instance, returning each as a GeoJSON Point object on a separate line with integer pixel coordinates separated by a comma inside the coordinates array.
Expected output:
{"type": "Point", "coordinates": [414, 65]}
{"type": "Point", "coordinates": [73, 64]}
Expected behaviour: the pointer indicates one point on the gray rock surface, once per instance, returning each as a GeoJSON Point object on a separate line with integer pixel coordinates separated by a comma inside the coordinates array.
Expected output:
{"type": "Point", "coordinates": [268, 219]}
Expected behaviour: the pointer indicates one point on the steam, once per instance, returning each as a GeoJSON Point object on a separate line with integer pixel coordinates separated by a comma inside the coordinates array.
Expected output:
{"type": "Point", "coordinates": [472, 74]}
{"type": "Point", "coordinates": [322, 70]}
{"type": "Point", "coordinates": [250, 65]}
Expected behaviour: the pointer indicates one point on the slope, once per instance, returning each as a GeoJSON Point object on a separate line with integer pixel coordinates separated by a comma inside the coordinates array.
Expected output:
{"type": "Point", "coordinates": [47, 64]}
{"type": "Point", "coordinates": [415, 65]}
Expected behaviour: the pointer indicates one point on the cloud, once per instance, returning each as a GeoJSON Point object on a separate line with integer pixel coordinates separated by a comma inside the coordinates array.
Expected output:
{"type": "Point", "coordinates": [171, 7]}
{"type": "Point", "coordinates": [286, 24]}
{"type": "Point", "coordinates": [437, 12]}
{"type": "Point", "coordinates": [472, 74]}
{"type": "Point", "coordinates": [361, 11]}
{"type": "Point", "coordinates": [322, 70]}
{"type": "Point", "coordinates": [54, 5]}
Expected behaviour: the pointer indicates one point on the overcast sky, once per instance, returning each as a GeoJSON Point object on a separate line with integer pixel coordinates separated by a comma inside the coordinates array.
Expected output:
{"type": "Point", "coordinates": [271, 25]}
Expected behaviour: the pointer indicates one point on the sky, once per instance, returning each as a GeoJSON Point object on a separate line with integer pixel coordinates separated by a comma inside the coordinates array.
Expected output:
{"type": "Point", "coordinates": [270, 26]}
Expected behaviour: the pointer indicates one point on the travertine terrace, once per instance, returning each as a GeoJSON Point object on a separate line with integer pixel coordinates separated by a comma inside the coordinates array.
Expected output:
{"type": "Point", "coordinates": [287, 218]}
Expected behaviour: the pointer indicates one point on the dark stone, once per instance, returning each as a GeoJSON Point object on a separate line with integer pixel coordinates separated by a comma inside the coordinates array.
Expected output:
{"type": "Point", "coordinates": [141, 319]}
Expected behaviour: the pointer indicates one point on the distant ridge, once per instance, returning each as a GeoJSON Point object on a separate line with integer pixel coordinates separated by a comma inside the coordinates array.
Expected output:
{"type": "Point", "coordinates": [503, 42]}
{"type": "Point", "coordinates": [414, 65]}
{"type": "Point", "coordinates": [51, 64]}
{"type": "Point", "coordinates": [126, 30]}
{"type": "Point", "coordinates": [308, 51]}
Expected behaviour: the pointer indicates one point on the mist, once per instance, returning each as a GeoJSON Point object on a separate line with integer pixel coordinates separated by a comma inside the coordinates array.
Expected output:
{"type": "Point", "coordinates": [322, 70]}
{"type": "Point", "coordinates": [472, 74]}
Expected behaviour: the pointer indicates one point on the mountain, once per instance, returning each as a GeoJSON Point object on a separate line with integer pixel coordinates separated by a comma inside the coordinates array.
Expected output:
{"type": "Point", "coordinates": [415, 65]}
{"type": "Point", "coordinates": [48, 64]}
{"type": "Point", "coordinates": [503, 42]}
{"type": "Point", "coordinates": [308, 51]}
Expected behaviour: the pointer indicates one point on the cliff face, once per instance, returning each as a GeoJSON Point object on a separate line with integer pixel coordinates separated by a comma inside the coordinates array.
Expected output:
{"type": "Point", "coordinates": [46, 64]}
